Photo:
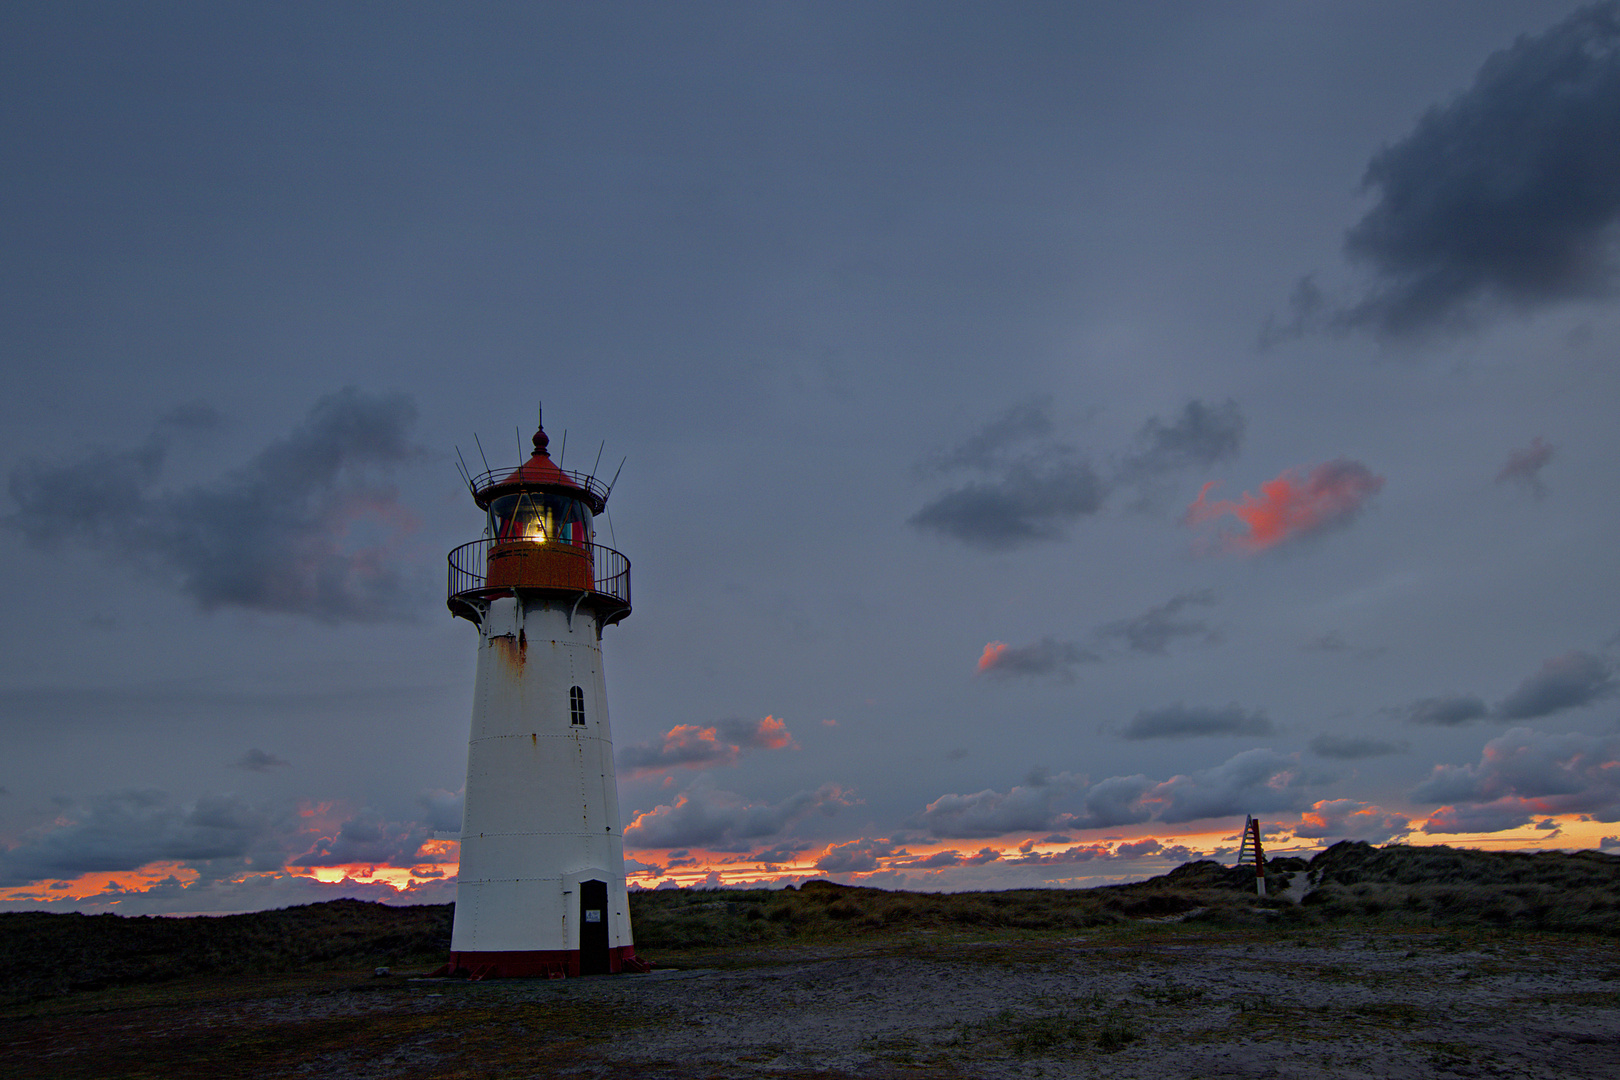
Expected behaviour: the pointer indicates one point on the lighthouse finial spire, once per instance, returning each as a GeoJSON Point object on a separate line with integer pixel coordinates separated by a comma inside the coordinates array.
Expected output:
{"type": "Point", "coordinates": [540, 440]}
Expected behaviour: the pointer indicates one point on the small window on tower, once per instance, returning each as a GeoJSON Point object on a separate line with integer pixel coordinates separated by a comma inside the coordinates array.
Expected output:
{"type": "Point", "coordinates": [576, 705]}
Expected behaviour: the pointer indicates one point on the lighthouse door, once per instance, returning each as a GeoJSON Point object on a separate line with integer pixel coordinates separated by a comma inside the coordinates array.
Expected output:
{"type": "Point", "coordinates": [593, 928]}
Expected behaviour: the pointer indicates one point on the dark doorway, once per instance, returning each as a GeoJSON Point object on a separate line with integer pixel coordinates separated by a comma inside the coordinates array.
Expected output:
{"type": "Point", "coordinates": [593, 928]}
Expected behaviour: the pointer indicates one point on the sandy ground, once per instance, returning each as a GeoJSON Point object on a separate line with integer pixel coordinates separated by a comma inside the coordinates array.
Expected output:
{"type": "Point", "coordinates": [1363, 1005]}
{"type": "Point", "coordinates": [1178, 1004]}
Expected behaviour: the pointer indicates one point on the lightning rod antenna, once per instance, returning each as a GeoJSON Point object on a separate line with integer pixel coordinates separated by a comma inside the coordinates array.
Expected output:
{"type": "Point", "coordinates": [615, 479]}
{"type": "Point", "coordinates": [481, 453]}
{"type": "Point", "coordinates": [599, 450]}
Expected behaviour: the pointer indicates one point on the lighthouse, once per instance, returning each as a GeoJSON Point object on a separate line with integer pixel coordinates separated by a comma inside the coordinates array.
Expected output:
{"type": "Point", "coordinates": [541, 888]}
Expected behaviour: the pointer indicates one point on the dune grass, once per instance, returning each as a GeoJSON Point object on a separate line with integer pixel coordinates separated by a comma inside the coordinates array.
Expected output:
{"type": "Point", "coordinates": [1350, 885]}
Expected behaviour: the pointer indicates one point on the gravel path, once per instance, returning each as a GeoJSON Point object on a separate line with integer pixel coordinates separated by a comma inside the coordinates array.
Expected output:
{"type": "Point", "coordinates": [1359, 1006]}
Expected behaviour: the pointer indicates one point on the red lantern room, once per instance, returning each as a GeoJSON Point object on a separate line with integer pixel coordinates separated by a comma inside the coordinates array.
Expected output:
{"type": "Point", "coordinates": [540, 534]}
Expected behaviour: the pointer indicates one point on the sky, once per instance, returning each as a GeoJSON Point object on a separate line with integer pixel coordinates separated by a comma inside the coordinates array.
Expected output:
{"type": "Point", "coordinates": [1050, 432]}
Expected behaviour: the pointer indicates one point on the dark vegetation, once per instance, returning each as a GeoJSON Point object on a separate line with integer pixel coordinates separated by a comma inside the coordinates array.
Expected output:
{"type": "Point", "coordinates": [706, 918]}
{"type": "Point", "coordinates": [1440, 886]}
{"type": "Point", "coordinates": [43, 953]}
{"type": "Point", "coordinates": [1347, 885]}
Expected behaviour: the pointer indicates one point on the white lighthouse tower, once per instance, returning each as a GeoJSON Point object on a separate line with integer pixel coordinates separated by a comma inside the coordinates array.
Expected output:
{"type": "Point", "coordinates": [541, 888]}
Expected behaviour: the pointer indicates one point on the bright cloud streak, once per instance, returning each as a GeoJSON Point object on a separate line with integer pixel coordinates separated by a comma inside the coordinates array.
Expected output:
{"type": "Point", "coordinates": [1296, 504]}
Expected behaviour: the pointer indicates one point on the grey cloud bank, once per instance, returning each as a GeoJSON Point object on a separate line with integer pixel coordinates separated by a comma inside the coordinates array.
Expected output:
{"type": "Point", "coordinates": [1181, 722]}
{"type": "Point", "coordinates": [1354, 747]}
{"type": "Point", "coordinates": [1154, 629]}
{"type": "Point", "coordinates": [275, 535]}
{"type": "Point", "coordinates": [1035, 494]}
{"type": "Point", "coordinates": [1504, 196]}
{"type": "Point", "coordinates": [1447, 711]}
{"type": "Point", "coordinates": [1262, 780]}
{"type": "Point", "coordinates": [1524, 774]}
{"type": "Point", "coordinates": [1564, 682]}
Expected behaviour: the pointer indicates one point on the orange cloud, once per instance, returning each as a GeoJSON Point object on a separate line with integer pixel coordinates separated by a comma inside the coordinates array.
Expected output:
{"type": "Point", "coordinates": [688, 746]}
{"type": "Point", "coordinates": [992, 655]}
{"type": "Point", "coordinates": [772, 734]}
{"type": "Point", "coordinates": [1296, 504]}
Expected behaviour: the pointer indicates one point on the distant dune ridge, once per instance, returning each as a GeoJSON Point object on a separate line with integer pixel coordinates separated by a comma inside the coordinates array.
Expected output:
{"type": "Point", "coordinates": [1349, 883]}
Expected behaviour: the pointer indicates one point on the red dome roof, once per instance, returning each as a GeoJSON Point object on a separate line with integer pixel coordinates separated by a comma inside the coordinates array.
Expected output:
{"type": "Point", "coordinates": [541, 472]}
{"type": "Point", "coordinates": [539, 469]}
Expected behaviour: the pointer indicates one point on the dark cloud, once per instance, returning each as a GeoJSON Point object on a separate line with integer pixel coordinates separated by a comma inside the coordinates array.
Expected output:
{"type": "Point", "coordinates": [1047, 656]}
{"type": "Point", "coordinates": [1199, 437]}
{"type": "Point", "coordinates": [1254, 781]}
{"type": "Point", "coordinates": [984, 449]}
{"type": "Point", "coordinates": [1506, 195]}
{"type": "Point", "coordinates": [1347, 819]}
{"type": "Point", "coordinates": [692, 747]}
{"type": "Point", "coordinates": [1154, 630]}
{"type": "Point", "coordinates": [1033, 499]}
{"type": "Point", "coordinates": [683, 746]}
{"type": "Point", "coordinates": [1446, 711]}
{"type": "Point", "coordinates": [256, 760]}
{"type": "Point", "coordinates": [855, 857]}
{"type": "Point", "coordinates": [1033, 488]}
{"type": "Point", "coordinates": [1484, 818]}
{"type": "Point", "coordinates": [371, 839]}
{"type": "Point", "coordinates": [1524, 466]}
{"type": "Point", "coordinates": [1118, 800]}
{"type": "Point", "coordinates": [1181, 722]}
{"type": "Point", "coordinates": [442, 810]}
{"type": "Point", "coordinates": [781, 853]}
{"type": "Point", "coordinates": [1080, 853]}
{"type": "Point", "coordinates": [1025, 808]}
{"type": "Point", "coordinates": [1354, 747]}
{"type": "Point", "coordinates": [304, 528]}
{"type": "Point", "coordinates": [217, 835]}
{"type": "Point", "coordinates": [127, 830]}
{"type": "Point", "coordinates": [723, 821]}
{"type": "Point", "coordinates": [1525, 774]}
{"type": "Point", "coordinates": [1564, 682]}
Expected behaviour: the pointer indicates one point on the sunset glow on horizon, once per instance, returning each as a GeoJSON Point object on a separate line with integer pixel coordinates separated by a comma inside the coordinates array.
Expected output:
{"type": "Point", "coordinates": [1084, 863]}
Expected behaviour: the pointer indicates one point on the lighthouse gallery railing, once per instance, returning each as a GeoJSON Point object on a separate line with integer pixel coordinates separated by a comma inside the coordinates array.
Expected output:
{"type": "Point", "coordinates": [469, 573]}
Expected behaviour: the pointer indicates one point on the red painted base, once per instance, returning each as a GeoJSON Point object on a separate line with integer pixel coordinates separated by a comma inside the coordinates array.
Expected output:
{"type": "Point", "coordinates": [539, 963]}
